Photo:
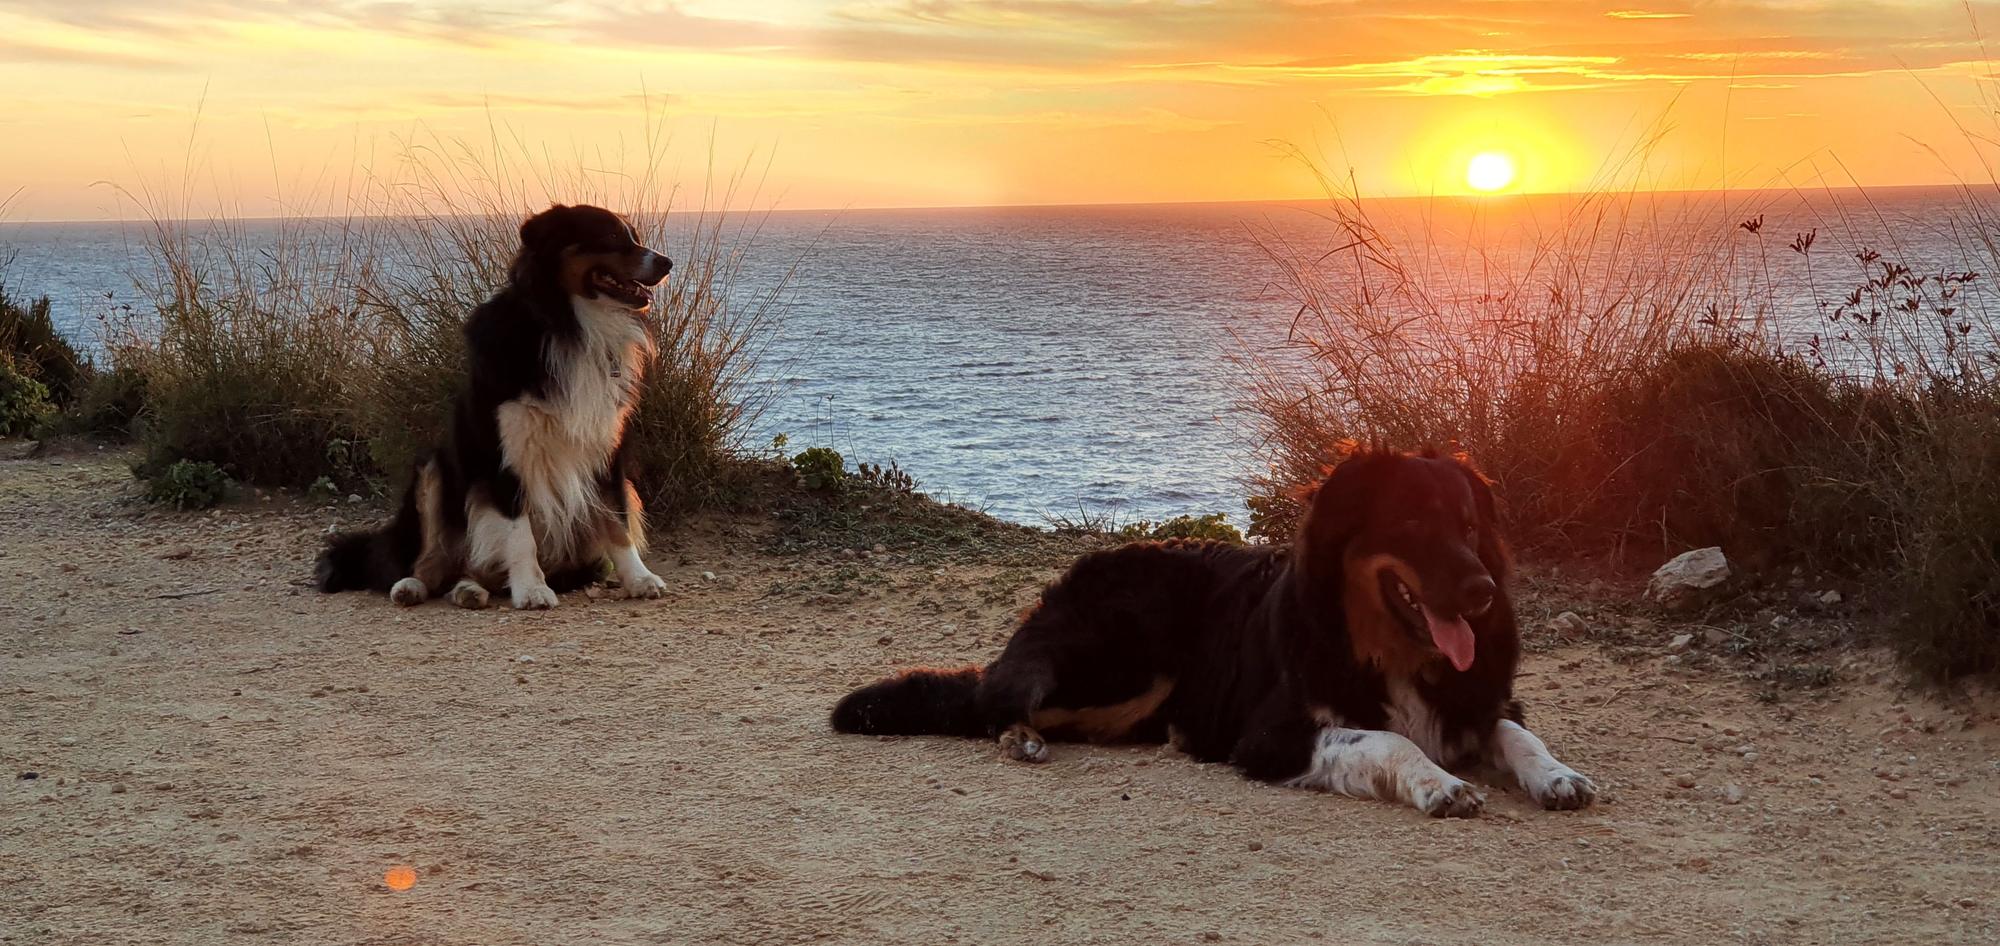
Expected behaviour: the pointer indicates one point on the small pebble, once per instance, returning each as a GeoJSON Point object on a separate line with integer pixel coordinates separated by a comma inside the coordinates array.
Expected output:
{"type": "Point", "coordinates": [1256, 845]}
{"type": "Point", "coordinates": [524, 659]}
{"type": "Point", "coordinates": [1733, 794]}
{"type": "Point", "coordinates": [117, 788]}
{"type": "Point", "coordinates": [66, 741]}
{"type": "Point", "coordinates": [707, 576]}
{"type": "Point", "coordinates": [1685, 781]}
{"type": "Point", "coordinates": [163, 786]}
{"type": "Point", "coordinates": [1899, 792]}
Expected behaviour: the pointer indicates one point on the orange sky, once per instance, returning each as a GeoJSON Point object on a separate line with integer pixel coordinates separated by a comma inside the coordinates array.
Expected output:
{"type": "Point", "coordinates": [859, 103]}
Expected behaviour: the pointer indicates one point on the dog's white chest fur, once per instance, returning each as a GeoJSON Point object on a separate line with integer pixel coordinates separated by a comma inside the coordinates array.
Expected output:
{"type": "Point", "coordinates": [561, 444]}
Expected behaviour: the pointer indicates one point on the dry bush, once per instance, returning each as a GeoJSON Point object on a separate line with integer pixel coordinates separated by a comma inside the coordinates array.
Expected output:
{"type": "Point", "coordinates": [1627, 381]}
{"type": "Point", "coordinates": [327, 346]}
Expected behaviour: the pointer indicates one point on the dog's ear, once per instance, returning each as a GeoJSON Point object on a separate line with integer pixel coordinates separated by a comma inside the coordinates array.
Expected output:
{"type": "Point", "coordinates": [538, 231]}
{"type": "Point", "coordinates": [1492, 548]}
{"type": "Point", "coordinates": [1338, 512]}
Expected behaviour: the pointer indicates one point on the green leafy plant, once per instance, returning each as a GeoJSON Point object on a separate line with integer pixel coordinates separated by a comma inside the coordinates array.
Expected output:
{"type": "Point", "coordinates": [821, 469]}
{"type": "Point", "coordinates": [188, 484]}
{"type": "Point", "coordinates": [24, 402]}
{"type": "Point", "coordinates": [1211, 528]}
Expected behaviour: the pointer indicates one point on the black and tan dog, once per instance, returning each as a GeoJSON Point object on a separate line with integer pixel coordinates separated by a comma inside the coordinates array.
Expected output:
{"type": "Point", "coordinates": [531, 493]}
{"type": "Point", "coordinates": [1370, 657]}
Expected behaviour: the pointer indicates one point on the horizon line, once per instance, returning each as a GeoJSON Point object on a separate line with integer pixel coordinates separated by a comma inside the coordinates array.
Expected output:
{"type": "Point", "coordinates": [1085, 205]}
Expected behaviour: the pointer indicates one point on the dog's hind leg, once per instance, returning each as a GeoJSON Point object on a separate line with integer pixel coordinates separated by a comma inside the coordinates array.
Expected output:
{"type": "Point", "coordinates": [441, 550]}
{"type": "Point", "coordinates": [1015, 686]}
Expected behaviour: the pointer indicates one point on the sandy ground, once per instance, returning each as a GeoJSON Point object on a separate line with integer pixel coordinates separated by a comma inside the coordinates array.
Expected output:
{"type": "Point", "coordinates": [221, 755]}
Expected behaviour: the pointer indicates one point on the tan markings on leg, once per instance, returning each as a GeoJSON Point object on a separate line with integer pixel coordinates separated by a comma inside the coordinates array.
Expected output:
{"type": "Point", "coordinates": [1378, 639]}
{"type": "Point", "coordinates": [1022, 743]}
{"type": "Point", "coordinates": [443, 557]}
{"type": "Point", "coordinates": [1105, 723]}
{"type": "Point", "coordinates": [635, 518]}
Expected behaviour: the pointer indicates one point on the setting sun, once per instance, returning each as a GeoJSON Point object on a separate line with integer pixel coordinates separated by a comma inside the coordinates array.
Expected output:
{"type": "Point", "coordinates": [1489, 171]}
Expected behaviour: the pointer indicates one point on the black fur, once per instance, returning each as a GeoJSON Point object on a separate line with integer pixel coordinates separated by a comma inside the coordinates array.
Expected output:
{"type": "Point", "coordinates": [507, 342]}
{"type": "Point", "coordinates": [1255, 640]}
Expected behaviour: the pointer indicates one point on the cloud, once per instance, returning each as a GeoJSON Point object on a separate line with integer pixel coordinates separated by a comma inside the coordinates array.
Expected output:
{"type": "Point", "coordinates": [22, 51]}
{"type": "Point", "coordinates": [1645, 15]}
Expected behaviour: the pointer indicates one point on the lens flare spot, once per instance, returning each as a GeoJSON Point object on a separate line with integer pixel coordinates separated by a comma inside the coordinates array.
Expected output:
{"type": "Point", "coordinates": [399, 878]}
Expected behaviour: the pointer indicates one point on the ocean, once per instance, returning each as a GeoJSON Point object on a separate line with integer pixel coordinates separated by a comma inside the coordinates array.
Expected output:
{"type": "Point", "coordinates": [1058, 360]}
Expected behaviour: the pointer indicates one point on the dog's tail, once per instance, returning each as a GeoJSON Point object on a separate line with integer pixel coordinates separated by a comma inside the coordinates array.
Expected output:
{"type": "Point", "coordinates": [373, 559]}
{"type": "Point", "coordinates": [915, 703]}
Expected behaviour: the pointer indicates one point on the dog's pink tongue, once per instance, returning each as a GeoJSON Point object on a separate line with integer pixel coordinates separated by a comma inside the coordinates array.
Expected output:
{"type": "Point", "coordinates": [1453, 638]}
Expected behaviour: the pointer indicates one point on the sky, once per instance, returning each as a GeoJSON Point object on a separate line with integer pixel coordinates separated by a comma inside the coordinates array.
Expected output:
{"type": "Point", "coordinates": [259, 105]}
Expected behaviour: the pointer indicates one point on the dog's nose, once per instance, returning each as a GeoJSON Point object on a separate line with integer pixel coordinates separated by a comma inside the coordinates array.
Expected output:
{"type": "Point", "coordinates": [657, 267]}
{"type": "Point", "coordinates": [1475, 595]}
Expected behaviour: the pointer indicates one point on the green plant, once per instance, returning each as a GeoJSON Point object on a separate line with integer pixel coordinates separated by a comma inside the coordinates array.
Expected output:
{"type": "Point", "coordinates": [1212, 527]}
{"type": "Point", "coordinates": [24, 402]}
{"type": "Point", "coordinates": [821, 469]}
{"type": "Point", "coordinates": [188, 484]}
{"type": "Point", "coordinates": [28, 333]}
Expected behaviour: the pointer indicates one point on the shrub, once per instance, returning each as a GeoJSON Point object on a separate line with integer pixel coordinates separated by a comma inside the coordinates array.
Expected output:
{"type": "Point", "coordinates": [329, 349]}
{"type": "Point", "coordinates": [821, 469]}
{"type": "Point", "coordinates": [24, 402]}
{"type": "Point", "coordinates": [28, 333]}
{"type": "Point", "coordinates": [188, 484]}
{"type": "Point", "coordinates": [110, 403]}
{"type": "Point", "coordinates": [1631, 393]}
{"type": "Point", "coordinates": [1212, 527]}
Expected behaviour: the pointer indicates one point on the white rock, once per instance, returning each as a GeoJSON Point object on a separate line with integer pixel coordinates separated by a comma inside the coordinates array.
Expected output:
{"type": "Point", "coordinates": [1679, 643]}
{"type": "Point", "coordinates": [1734, 795]}
{"type": "Point", "coordinates": [1830, 598]}
{"type": "Point", "coordinates": [524, 659]}
{"type": "Point", "coordinates": [1568, 624]}
{"type": "Point", "coordinates": [707, 576]}
{"type": "Point", "coordinates": [353, 497]}
{"type": "Point", "coordinates": [1688, 578]}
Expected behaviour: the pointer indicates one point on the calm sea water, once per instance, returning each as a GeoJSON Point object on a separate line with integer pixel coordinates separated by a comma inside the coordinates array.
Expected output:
{"type": "Point", "coordinates": [1046, 360]}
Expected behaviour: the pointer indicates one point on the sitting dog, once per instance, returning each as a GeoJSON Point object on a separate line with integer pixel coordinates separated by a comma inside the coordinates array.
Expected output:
{"type": "Point", "coordinates": [531, 493]}
{"type": "Point", "coordinates": [1370, 657]}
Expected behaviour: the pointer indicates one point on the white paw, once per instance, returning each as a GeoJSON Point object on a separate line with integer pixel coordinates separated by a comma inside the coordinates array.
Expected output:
{"type": "Point", "coordinates": [469, 595]}
{"type": "Point", "coordinates": [538, 597]}
{"type": "Point", "coordinates": [1024, 745]}
{"type": "Point", "coordinates": [409, 593]}
{"type": "Point", "coordinates": [1447, 798]}
{"type": "Point", "coordinates": [644, 585]}
{"type": "Point", "coordinates": [1563, 790]}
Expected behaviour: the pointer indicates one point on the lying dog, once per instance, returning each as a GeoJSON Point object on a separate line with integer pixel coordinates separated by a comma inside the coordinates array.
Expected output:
{"type": "Point", "coordinates": [1369, 657]}
{"type": "Point", "coordinates": [531, 492]}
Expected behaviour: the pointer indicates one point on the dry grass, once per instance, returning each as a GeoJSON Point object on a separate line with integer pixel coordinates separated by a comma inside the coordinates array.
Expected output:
{"type": "Point", "coordinates": [1637, 383]}
{"type": "Point", "coordinates": [325, 347]}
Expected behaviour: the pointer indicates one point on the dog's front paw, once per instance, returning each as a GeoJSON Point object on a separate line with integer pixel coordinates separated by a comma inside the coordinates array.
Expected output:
{"type": "Point", "coordinates": [1453, 798]}
{"type": "Point", "coordinates": [537, 597]}
{"type": "Point", "coordinates": [1565, 791]}
{"type": "Point", "coordinates": [645, 585]}
{"type": "Point", "coordinates": [409, 592]}
{"type": "Point", "coordinates": [469, 595]}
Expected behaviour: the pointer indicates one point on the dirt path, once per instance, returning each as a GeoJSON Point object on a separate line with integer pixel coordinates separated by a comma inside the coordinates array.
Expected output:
{"type": "Point", "coordinates": [222, 756]}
